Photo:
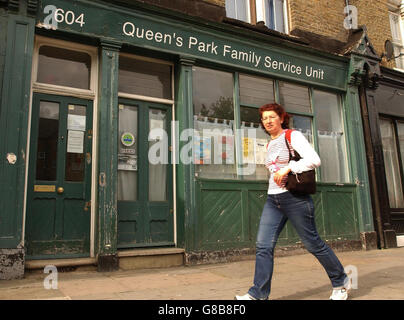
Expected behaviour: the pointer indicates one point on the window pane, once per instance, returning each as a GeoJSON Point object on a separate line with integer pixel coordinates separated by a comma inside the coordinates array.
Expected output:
{"type": "Point", "coordinates": [395, 26]}
{"type": "Point", "coordinates": [214, 151]}
{"type": "Point", "coordinates": [64, 67]}
{"type": "Point", "coordinates": [254, 150]}
{"type": "Point", "coordinates": [400, 129]}
{"type": "Point", "coordinates": [331, 138]}
{"type": "Point", "coordinates": [260, 10]}
{"type": "Point", "coordinates": [400, 59]}
{"type": "Point", "coordinates": [48, 134]}
{"type": "Point", "coordinates": [127, 153]}
{"type": "Point", "coordinates": [238, 9]}
{"type": "Point", "coordinates": [144, 78]}
{"type": "Point", "coordinates": [213, 93]}
{"type": "Point", "coordinates": [272, 12]}
{"type": "Point", "coordinates": [256, 91]}
{"type": "Point", "coordinates": [231, 9]}
{"type": "Point", "coordinates": [303, 124]}
{"type": "Point", "coordinates": [278, 16]}
{"type": "Point", "coordinates": [391, 164]}
{"type": "Point", "coordinates": [76, 127]}
{"type": "Point", "coordinates": [294, 98]}
{"type": "Point", "coordinates": [158, 172]}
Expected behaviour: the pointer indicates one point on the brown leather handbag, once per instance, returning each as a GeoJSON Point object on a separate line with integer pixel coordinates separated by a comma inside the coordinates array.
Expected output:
{"type": "Point", "coordinates": [299, 183]}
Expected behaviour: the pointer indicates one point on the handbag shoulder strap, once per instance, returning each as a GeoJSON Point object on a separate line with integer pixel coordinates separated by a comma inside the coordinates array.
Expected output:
{"type": "Point", "coordinates": [293, 155]}
{"type": "Point", "coordinates": [288, 135]}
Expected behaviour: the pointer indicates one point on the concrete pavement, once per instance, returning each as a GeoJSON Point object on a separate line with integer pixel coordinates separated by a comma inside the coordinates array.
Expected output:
{"type": "Point", "coordinates": [378, 274]}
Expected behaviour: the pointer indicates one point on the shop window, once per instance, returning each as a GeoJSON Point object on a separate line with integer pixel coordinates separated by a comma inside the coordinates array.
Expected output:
{"type": "Point", "coordinates": [302, 123]}
{"type": "Point", "coordinates": [64, 67]}
{"type": "Point", "coordinates": [254, 92]}
{"type": "Point", "coordinates": [296, 100]}
{"type": "Point", "coordinates": [253, 149]}
{"type": "Point", "coordinates": [392, 133]}
{"type": "Point", "coordinates": [330, 137]}
{"type": "Point", "coordinates": [232, 142]}
{"type": "Point", "coordinates": [272, 12]}
{"type": "Point", "coordinates": [144, 78]}
{"type": "Point", "coordinates": [294, 97]}
{"type": "Point", "coordinates": [127, 155]}
{"type": "Point", "coordinates": [158, 171]}
{"type": "Point", "coordinates": [214, 144]}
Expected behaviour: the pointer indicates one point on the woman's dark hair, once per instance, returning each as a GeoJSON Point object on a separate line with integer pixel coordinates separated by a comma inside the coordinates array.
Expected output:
{"type": "Point", "coordinates": [280, 111]}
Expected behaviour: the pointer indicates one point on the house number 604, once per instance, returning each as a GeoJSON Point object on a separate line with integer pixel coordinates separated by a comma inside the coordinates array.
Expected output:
{"type": "Point", "coordinates": [58, 15]}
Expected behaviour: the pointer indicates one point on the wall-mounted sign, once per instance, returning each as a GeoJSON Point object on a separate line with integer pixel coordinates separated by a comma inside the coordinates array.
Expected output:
{"type": "Point", "coordinates": [128, 139]}
{"type": "Point", "coordinates": [142, 29]}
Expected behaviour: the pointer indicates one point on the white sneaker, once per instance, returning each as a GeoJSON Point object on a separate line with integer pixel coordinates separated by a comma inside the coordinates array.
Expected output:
{"type": "Point", "coordinates": [244, 297]}
{"type": "Point", "coordinates": [342, 292]}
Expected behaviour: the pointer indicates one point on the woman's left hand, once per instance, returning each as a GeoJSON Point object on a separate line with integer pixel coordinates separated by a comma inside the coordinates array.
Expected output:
{"type": "Point", "coordinates": [280, 174]}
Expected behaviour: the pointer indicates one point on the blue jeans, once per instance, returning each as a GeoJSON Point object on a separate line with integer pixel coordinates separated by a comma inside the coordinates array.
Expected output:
{"type": "Point", "coordinates": [300, 211]}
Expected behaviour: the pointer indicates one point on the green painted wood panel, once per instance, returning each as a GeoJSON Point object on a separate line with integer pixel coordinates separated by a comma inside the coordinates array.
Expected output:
{"type": "Point", "coordinates": [108, 150]}
{"type": "Point", "coordinates": [185, 184]}
{"type": "Point", "coordinates": [228, 214]}
{"type": "Point", "coordinates": [357, 153]}
{"type": "Point", "coordinates": [14, 105]}
{"type": "Point", "coordinates": [222, 211]}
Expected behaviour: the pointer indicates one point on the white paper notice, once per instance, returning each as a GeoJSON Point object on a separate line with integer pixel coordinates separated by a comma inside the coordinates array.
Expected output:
{"type": "Point", "coordinates": [75, 122]}
{"type": "Point", "coordinates": [75, 141]}
{"type": "Point", "coordinates": [261, 150]}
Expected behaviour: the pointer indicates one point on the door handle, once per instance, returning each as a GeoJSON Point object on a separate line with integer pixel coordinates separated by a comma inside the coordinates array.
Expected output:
{"type": "Point", "coordinates": [60, 190]}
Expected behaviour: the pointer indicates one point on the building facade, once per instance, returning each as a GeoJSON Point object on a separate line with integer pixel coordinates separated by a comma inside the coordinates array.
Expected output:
{"type": "Point", "coordinates": [379, 78]}
{"type": "Point", "coordinates": [133, 124]}
{"type": "Point", "coordinates": [382, 110]}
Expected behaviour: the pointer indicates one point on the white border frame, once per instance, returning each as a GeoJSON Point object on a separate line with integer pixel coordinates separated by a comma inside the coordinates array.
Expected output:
{"type": "Point", "coordinates": [90, 94]}
{"type": "Point", "coordinates": [261, 10]}
{"type": "Point", "coordinates": [173, 122]}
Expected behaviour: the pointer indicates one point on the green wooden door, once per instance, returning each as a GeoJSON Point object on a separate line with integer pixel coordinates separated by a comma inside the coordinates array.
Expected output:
{"type": "Point", "coordinates": [145, 215]}
{"type": "Point", "coordinates": [59, 179]}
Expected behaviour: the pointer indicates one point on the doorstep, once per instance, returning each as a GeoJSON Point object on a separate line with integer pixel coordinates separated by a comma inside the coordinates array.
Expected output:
{"type": "Point", "coordinates": [128, 260]}
{"type": "Point", "coordinates": [60, 263]}
{"type": "Point", "coordinates": [150, 258]}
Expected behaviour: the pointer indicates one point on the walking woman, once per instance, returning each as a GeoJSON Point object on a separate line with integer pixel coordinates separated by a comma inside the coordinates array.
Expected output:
{"type": "Point", "coordinates": [282, 205]}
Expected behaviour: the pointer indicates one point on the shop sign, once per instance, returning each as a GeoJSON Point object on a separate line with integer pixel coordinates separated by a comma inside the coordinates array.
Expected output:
{"type": "Point", "coordinates": [199, 42]}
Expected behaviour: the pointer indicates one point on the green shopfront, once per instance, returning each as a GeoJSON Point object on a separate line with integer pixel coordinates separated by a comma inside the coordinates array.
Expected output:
{"type": "Point", "coordinates": [137, 127]}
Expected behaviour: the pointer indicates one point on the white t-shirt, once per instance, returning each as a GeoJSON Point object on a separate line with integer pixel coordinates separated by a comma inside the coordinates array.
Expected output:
{"type": "Point", "coordinates": [278, 158]}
